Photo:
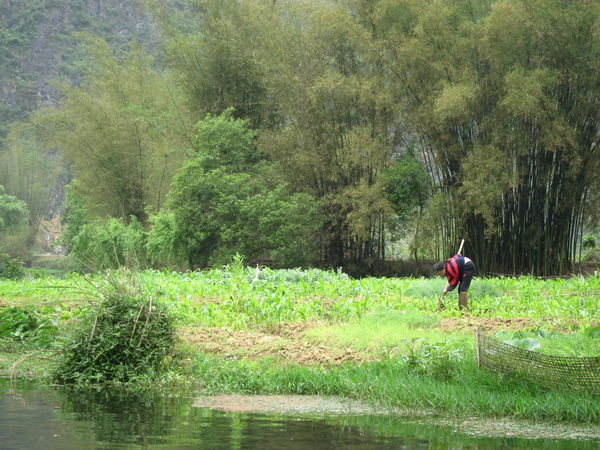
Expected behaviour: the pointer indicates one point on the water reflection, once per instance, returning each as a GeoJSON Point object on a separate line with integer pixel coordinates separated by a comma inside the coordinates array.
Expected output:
{"type": "Point", "coordinates": [122, 417]}
{"type": "Point", "coordinates": [33, 416]}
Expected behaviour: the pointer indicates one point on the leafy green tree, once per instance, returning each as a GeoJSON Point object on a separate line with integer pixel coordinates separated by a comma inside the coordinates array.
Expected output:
{"type": "Point", "coordinates": [204, 203]}
{"type": "Point", "coordinates": [223, 141]}
{"type": "Point", "coordinates": [218, 211]}
{"type": "Point", "coordinates": [123, 131]}
{"type": "Point", "coordinates": [342, 129]}
{"type": "Point", "coordinates": [278, 227]}
{"type": "Point", "coordinates": [306, 77]}
{"type": "Point", "coordinates": [219, 214]}
{"type": "Point", "coordinates": [217, 59]}
{"type": "Point", "coordinates": [406, 186]}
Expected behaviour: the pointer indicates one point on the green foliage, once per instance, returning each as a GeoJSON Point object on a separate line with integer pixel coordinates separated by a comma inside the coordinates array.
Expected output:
{"type": "Point", "coordinates": [124, 337]}
{"type": "Point", "coordinates": [485, 180]}
{"type": "Point", "coordinates": [589, 242]}
{"type": "Point", "coordinates": [496, 98]}
{"type": "Point", "coordinates": [406, 185]}
{"type": "Point", "coordinates": [219, 214]}
{"type": "Point", "coordinates": [286, 227]}
{"type": "Point", "coordinates": [240, 299]}
{"type": "Point", "coordinates": [166, 244]}
{"type": "Point", "coordinates": [14, 225]}
{"type": "Point", "coordinates": [583, 343]}
{"type": "Point", "coordinates": [111, 244]}
{"type": "Point", "coordinates": [421, 364]}
{"type": "Point", "coordinates": [220, 206]}
{"type": "Point", "coordinates": [223, 141]}
{"type": "Point", "coordinates": [430, 225]}
{"type": "Point", "coordinates": [592, 332]}
{"type": "Point", "coordinates": [438, 360]}
{"type": "Point", "coordinates": [526, 343]}
{"type": "Point", "coordinates": [75, 215]}
{"type": "Point", "coordinates": [13, 212]}
{"type": "Point", "coordinates": [329, 127]}
{"type": "Point", "coordinates": [502, 115]}
{"type": "Point", "coordinates": [391, 333]}
{"type": "Point", "coordinates": [11, 268]}
{"type": "Point", "coordinates": [464, 390]}
{"type": "Point", "coordinates": [238, 296]}
{"type": "Point", "coordinates": [433, 287]}
{"type": "Point", "coordinates": [218, 62]}
{"type": "Point", "coordinates": [31, 324]}
{"type": "Point", "coordinates": [206, 205]}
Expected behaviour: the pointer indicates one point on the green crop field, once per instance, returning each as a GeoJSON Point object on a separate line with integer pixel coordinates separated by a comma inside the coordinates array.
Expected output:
{"type": "Point", "coordinates": [243, 298]}
{"type": "Point", "coordinates": [239, 297]}
{"type": "Point", "coordinates": [322, 332]}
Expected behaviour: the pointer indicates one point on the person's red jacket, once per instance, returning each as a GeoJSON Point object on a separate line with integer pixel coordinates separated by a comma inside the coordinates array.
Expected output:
{"type": "Point", "coordinates": [455, 267]}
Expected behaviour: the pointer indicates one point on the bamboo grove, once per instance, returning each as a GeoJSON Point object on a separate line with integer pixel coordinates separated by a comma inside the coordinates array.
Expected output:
{"type": "Point", "coordinates": [421, 120]}
{"type": "Point", "coordinates": [508, 103]}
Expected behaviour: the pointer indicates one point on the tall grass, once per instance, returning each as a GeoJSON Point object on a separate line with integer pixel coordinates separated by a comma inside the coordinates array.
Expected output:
{"type": "Point", "coordinates": [393, 383]}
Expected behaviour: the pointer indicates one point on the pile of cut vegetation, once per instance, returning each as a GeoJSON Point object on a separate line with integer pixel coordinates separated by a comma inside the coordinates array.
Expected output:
{"type": "Point", "coordinates": [127, 335]}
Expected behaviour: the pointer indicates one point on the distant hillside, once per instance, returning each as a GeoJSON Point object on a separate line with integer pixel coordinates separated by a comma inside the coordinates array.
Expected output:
{"type": "Point", "coordinates": [37, 45]}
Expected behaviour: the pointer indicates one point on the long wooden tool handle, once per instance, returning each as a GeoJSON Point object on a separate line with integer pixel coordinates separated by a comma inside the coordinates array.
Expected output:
{"type": "Point", "coordinates": [461, 246]}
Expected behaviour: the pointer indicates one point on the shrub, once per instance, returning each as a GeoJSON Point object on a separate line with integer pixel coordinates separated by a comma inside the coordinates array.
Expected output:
{"type": "Point", "coordinates": [75, 216]}
{"type": "Point", "coordinates": [216, 214]}
{"type": "Point", "coordinates": [15, 234]}
{"type": "Point", "coordinates": [11, 268]}
{"type": "Point", "coordinates": [126, 336]}
{"type": "Point", "coordinates": [111, 244]}
{"type": "Point", "coordinates": [166, 244]}
{"type": "Point", "coordinates": [13, 212]}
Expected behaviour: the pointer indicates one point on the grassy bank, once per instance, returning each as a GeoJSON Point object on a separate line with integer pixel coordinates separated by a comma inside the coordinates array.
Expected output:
{"type": "Point", "coordinates": [316, 332]}
{"type": "Point", "coordinates": [462, 390]}
{"type": "Point", "coordinates": [458, 388]}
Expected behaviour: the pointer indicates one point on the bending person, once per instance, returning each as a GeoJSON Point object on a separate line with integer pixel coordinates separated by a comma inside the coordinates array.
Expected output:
{"type": "Point", "coordinates": [459, 271]}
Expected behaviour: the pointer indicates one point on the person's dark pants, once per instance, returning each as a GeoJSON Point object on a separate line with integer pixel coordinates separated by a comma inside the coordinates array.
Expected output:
{"type": "Point", "coordinates": [468, 273]}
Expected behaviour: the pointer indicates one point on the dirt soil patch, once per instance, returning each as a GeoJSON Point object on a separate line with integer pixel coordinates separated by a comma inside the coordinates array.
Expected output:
{"type": "Point", "coordinates": [493, 324]}
{"type": "Point", "coordinates": [287, 343]}
{"type": "Point", "coordinates": [487, 324]}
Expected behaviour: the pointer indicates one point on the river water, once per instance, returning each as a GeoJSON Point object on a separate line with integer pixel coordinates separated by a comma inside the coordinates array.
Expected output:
{"type": "Point", "coordinates": [34, 416]}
